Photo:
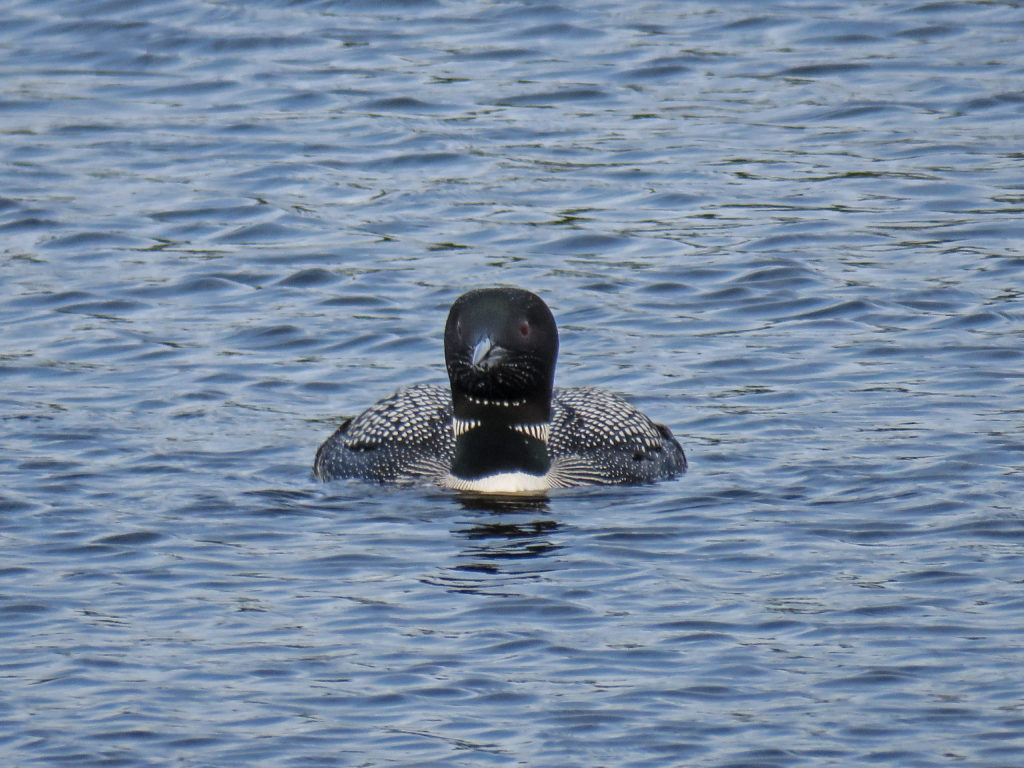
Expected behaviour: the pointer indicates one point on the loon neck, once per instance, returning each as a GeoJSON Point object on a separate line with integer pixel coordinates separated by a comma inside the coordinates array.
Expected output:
{"type": "Point", "coordinates": [500, 436]}
{"type": "Point", "coordinates": [507, 411]}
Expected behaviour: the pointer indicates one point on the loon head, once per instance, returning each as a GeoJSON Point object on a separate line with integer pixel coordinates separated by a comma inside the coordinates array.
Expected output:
{"type": "Point", "coordinates": [500, 347]}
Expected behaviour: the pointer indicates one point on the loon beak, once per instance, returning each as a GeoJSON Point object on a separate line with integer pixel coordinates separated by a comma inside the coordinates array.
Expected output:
{"type": "Point", "coordinates": [485, 353]}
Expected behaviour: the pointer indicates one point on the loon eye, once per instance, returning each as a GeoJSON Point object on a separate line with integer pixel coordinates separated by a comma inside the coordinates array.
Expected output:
{"type": "Point", "coordinates": [524, 328]}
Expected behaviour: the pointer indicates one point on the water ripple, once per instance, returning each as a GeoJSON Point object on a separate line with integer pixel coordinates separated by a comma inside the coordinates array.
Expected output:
{"type": "Point", "coordinates": [792, 233]}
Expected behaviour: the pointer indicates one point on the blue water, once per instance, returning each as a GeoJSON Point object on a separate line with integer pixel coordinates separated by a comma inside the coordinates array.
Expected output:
{"type": "Point", "coordinates": [791, 231]}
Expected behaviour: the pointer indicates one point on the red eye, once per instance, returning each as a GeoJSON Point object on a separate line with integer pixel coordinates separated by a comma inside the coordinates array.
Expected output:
{"type": "Point", "coordinates": [524, 329]}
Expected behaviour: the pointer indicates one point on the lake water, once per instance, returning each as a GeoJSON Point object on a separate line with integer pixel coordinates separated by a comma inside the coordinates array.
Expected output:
{"type": "Point", "coordinates": [794, 232]}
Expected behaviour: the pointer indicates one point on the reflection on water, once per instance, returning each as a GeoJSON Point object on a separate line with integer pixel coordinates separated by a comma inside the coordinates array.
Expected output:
{"type": "Point", "coordinates": [504, 503]}
{"type": "Point", "coordinates": [505, 541]}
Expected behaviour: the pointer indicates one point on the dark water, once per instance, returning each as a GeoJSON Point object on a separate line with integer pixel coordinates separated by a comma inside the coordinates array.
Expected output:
{"type": "Point", "coordinates": [792, 231]}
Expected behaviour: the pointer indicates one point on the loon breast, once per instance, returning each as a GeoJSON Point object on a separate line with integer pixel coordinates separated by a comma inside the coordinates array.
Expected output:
{"type": "Point", "coordinates": [500, 482]}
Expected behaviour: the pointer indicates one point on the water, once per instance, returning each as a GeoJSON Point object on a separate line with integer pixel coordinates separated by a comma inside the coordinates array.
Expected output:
{"type": "Point", "coordinates": [791, 231]}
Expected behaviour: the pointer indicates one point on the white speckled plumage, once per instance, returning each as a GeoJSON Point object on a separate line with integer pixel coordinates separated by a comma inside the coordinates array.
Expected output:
{"type": "Point", "coordinates": [594, 437]}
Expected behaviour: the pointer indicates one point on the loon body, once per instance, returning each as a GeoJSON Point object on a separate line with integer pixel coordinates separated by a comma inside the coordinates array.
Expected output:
{"type": "Point", "coordinates": [501, 427]}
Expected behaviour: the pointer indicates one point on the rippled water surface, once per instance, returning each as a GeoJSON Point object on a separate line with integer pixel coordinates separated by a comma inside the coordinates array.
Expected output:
{"type": "Point", "coordinates": [794, 232]}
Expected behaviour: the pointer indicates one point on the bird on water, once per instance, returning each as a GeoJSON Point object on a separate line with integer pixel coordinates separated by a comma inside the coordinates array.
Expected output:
{"type": "Point", "coordinates": [501, 427]}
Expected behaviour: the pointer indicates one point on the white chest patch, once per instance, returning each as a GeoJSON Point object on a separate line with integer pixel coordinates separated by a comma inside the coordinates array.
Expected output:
{"type": "Point", "coordinates": [503, 482]}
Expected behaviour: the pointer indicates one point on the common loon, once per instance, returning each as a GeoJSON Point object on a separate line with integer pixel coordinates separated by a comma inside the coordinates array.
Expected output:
{"type": "Point", "coordinates": [501, 427]}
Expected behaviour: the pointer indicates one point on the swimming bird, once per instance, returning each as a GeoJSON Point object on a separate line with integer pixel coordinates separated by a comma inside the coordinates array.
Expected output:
{"type": "Point", "coordinates": [501, 426]}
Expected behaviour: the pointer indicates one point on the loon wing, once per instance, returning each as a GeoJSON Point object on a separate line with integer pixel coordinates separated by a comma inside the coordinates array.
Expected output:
{"type": "Point", "coordinates": [598, 437]}
{"type": "Point", "coordinates": [403, 438]}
